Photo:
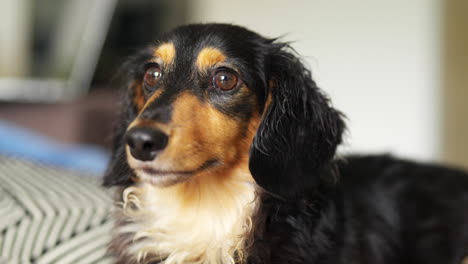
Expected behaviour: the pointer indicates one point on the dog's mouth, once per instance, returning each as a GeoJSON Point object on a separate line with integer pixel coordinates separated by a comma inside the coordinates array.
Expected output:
{"type": "Point", "coordinates": [154, 172]}
{"type": "Point", "coordinates": [168, 177]}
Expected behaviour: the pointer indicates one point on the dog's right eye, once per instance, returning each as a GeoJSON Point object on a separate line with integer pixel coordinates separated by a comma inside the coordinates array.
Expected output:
{"type": "Point", "coordinates": [152, 76]}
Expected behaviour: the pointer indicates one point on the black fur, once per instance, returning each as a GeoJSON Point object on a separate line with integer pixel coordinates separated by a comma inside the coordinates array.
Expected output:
{"type": "Point", "coordinates": [382, 210]}
{"type": "Point", "coordinates": [314, 208]}
{"type": "Point", "coordinates": [300, 131]}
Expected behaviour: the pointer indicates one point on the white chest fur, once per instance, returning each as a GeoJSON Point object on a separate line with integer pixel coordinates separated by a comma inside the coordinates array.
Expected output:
{"type": "Point", "coordinates": [194, 223]}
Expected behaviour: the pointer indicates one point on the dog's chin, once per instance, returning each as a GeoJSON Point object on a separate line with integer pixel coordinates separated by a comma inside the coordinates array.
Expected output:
{"type": "Point", "coordinates": [161, 179]}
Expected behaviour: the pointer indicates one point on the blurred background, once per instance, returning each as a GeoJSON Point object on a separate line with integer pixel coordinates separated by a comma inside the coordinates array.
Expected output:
{"type": "Point", "coordinates": [397, 69]}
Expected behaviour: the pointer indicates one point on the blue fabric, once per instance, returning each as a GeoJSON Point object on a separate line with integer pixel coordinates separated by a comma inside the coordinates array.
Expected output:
{"type": "Point", "coordinates": [19, 142]}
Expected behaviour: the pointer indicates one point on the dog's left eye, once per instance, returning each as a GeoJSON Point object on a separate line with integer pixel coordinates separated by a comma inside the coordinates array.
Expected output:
{"type": "Point", "coordinates": [225, 80]}
{"type": "Point", "coordinates": [152, 76]}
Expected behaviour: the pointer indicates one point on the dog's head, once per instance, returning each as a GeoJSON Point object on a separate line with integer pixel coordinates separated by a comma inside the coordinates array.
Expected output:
{"type": "Point", "coordinates": [208, 99]}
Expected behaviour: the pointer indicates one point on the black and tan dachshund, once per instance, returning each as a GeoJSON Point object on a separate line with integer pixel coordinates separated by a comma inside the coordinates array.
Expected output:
{"type": "Point", "coordinates": [225, 153]}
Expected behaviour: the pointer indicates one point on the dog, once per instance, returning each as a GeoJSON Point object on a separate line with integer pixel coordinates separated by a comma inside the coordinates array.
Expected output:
{"type": "Point", "coordinates": [226, 153]}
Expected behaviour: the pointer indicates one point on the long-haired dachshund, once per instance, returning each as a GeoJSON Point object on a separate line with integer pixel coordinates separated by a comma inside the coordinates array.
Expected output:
{"type": "Point", "coordinates": [225, 153]}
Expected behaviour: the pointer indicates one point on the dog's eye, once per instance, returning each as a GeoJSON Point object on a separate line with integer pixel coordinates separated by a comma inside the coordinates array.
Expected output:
{"type": "Point", "coordinates": [152, 76]}
{"type": "Point", "coordinates": [225, 80]}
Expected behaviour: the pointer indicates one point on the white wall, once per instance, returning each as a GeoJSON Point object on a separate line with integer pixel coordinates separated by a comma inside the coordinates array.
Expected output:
{"type": "Point", "coordinates": [15, 36]}
{"type": "Point", "coordinates": [378, 60]}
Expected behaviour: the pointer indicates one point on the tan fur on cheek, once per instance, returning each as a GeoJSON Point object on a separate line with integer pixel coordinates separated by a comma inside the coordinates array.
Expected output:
{"type": "Point", "coordinates": [187, 147]}
{"type": "Point", "coordinates": [201, 133]}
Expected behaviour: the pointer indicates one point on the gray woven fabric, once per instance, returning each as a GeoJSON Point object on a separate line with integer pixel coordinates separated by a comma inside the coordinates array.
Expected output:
{"type": "Point", "coordinates": [49, 215]}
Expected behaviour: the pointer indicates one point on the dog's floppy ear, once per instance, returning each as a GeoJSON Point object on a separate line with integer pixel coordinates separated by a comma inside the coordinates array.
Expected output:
{"type": "Point", "coordinates": [299, 131]}
{"type": "Point", "coordinates": [118, 172]}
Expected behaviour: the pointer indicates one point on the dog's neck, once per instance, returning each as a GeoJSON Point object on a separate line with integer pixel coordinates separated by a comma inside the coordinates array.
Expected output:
{"type": "Point", "coordinates": [205, 220]}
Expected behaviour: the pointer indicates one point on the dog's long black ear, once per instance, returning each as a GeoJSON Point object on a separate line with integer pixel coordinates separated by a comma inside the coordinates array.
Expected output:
{"type": "Point", "coordinates": [118, 172]}
{"type": "Point", "coordinates": [299, 131]}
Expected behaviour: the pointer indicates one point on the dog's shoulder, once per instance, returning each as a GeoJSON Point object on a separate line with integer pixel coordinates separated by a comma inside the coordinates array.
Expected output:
{"type": "Point", "coordinates": [396, 205]}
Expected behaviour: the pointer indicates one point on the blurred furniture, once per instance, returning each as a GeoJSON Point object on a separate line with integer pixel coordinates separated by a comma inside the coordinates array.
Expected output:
{"type": "Point", "coordinates": [86, 120]}
{"type": "Point", "coordinates": [51, 215]}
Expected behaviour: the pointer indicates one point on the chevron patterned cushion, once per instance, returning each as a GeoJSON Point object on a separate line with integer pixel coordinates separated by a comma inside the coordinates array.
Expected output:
{"type": "Point", "coordinates": [49, 215]}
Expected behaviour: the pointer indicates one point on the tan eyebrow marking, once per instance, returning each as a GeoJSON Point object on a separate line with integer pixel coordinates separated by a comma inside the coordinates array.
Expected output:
{"type": "Point", "coordinates": [166, 52]}
{"type": "Point", "coordinates": [209, 57]}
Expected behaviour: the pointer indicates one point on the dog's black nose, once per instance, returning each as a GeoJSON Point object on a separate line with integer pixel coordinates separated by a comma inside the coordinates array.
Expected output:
{"type": "Point", "coordinates": [145, 142]}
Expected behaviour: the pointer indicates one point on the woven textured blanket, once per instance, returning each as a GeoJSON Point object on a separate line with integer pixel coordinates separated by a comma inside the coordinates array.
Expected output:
{"type": "Point", "coordinates": [50, 215]}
